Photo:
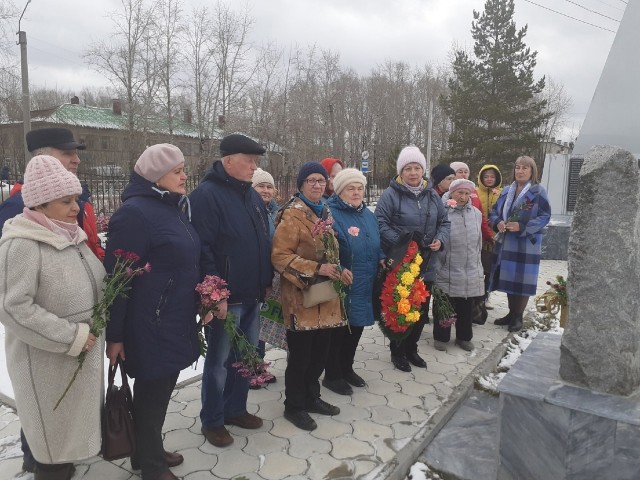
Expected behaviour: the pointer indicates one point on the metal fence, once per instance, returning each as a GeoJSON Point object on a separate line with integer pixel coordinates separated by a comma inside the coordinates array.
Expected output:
{"type": "Point", "coordinates": [106, 190]}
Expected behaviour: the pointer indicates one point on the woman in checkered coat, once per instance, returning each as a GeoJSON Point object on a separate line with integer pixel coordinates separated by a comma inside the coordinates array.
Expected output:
{"type": "Point", "coordinates": [519, 215]}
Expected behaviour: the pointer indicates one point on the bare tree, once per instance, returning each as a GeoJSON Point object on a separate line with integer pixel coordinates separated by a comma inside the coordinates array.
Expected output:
{"type": "Point", "coordinates": [231, 56]}
{"type": "Point", "coordinates": [558, 103]}
{"type": "Point", "coordinates": [169, 28]}
{"type": "Point", "coordinates": [201, 76]}
{"type": "Point", "coordinates": [120, 58]}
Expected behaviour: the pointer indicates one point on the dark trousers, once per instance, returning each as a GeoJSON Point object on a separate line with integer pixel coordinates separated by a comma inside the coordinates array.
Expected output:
{"type": "Point", "coordinates": [57, 471]}
{"type": "Point", "coordinates": [464, 313]}
{"type": "Point", "coordinates": [28, 462]}
{"type": "Point", "coordinates": [342, 351]}
{"type": "Point", "coordinates": [308, 350]}
{"type": "Point", "coordinates": [150, 402]}
{"type": "Point", "coordinates": [409, 344]}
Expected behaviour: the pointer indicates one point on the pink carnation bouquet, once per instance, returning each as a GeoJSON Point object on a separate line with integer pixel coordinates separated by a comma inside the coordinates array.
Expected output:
{"type": "Point", "coordinates": [213, 290]}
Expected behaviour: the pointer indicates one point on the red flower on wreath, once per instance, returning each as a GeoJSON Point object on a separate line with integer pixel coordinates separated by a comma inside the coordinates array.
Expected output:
{"type": "Point", "coordinates": [403, 293]}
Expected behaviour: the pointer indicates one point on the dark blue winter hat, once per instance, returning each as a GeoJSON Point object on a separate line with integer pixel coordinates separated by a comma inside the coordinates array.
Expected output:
{"type": "Point", "coordinates": [309, 168]}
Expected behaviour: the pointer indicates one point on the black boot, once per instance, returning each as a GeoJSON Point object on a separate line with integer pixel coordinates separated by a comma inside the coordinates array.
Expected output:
{"type": "Point", "coordinates": [516, 323]}
{"type": "Point", "coordinates": [506, 320]}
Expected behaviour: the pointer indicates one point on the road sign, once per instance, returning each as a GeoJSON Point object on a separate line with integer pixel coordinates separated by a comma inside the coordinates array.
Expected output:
{"type": "Point", "coordinates": [364, 166]}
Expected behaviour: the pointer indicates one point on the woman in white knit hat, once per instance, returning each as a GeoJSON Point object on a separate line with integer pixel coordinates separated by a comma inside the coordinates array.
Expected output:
{"type": "Point", "coordinates": [411, 205]}
{"type": "Point", "coordinates": [49, 283]}
{"type": "Point", "coordinates": [262, 182]}
{"type": "Point", "coordinates": [359, 239]}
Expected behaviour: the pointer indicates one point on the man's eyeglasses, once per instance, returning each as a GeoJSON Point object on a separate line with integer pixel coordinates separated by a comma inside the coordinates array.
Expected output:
{"type": "Point", "coordinates": [313, 182]}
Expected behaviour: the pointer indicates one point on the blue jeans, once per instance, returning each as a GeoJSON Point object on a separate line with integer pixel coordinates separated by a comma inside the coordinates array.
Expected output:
{"type": "Point", "coordinates": [224, 390]}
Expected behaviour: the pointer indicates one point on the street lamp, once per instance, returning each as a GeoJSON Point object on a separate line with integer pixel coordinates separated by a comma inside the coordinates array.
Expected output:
{"type": "Point", "coordinates": [26, 104]}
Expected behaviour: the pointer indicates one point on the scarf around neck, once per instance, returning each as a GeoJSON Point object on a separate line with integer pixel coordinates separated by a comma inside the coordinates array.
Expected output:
{"type": "Point", "coordinates": [69, 231]}
{"type": "Point", "coordinates": [316, 207]}
{"type": "Point", "coordinates": [511, 200]}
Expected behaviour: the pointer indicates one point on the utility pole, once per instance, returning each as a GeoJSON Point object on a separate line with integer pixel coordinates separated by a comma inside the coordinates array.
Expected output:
{"type": "Point", "coordinates": [429, 130]}
{"type": "Point", "coordinates": [26, 104]}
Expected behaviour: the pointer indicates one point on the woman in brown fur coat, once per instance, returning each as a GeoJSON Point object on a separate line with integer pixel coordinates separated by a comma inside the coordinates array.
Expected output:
{"type": "Point", "coordinates": [301, 258]}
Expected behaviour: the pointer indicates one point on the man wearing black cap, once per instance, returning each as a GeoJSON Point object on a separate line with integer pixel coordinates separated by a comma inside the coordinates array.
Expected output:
{"type": "Point", "coordinates": [233, 225]}
{"type": "Point", "coordinates": [59, 143]}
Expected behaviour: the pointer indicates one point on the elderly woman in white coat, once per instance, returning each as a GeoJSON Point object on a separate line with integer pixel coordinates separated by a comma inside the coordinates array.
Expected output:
{"type": "Point", "coordinates": [460, 275]}
{"type": "Point", "coordinates": [49, 283]}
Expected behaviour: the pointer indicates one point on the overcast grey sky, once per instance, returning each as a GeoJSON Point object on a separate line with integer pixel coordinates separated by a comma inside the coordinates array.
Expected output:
{"type": "Point", "coordinates": [365, 32]}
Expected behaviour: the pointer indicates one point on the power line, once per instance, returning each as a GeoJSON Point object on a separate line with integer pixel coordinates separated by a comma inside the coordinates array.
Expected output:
{"type": "Point", "coordinates": [569, 16]}
{"type": "Point", "coordinates": [593, 11]}
{"type": "Point", "coordinates": [611, 6]}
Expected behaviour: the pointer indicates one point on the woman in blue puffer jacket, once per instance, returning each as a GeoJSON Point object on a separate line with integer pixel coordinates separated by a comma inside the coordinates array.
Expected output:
{"type": "Point", "coordinates": [356, 228]}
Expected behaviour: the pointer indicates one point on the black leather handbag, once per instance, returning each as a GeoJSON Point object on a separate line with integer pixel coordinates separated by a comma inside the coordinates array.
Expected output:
{"type": "Point", "coordinates": [118, 433]}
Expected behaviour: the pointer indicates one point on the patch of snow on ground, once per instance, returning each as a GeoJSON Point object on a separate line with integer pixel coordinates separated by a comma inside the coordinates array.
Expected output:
{"type": "Point", "coordinates": [10, 447]}
{"type": "Point", "coordinates": [419, 471]}
{"type": "Point", "coordinates": [490, 382]}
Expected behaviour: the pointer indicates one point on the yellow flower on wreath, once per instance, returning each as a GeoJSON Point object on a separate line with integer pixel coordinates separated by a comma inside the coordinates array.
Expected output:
{"type": "Point", "coordinates": [414, 268]}
{"type": "Point", "coordinates": [418, 259]}
{"type": "Point", "coordinates": [404, 306]}
{"type": "Point", "coordinates": [407, 278]}
{"type": "Point", "coordinates": [412, 316]}
{"type": "Point", "coordinates": [403, 291]}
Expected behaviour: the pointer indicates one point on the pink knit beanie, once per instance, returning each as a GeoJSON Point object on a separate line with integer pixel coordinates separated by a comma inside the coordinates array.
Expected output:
{"type": "Point", "coordinates": [45, 179]}
{"type": "Point", "coordinates": [158, 160]}
{"type": "Point", "coordinates": [411, 154]}
{"type": "Point", "coordinates": [462, 183]}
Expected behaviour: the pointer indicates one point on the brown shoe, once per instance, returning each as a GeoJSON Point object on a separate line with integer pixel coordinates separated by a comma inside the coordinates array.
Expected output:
{"type": "Point", "coordinates": [172, 459]}
{"type": "Point", "coordinates": [248, 421]}
{"type": "Point", "coordinates": [168, 475]}
{"type": "Point", "coordinates": [218, 436]}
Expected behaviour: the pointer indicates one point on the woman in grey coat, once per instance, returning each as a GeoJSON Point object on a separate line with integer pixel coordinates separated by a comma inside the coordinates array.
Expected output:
{"type": "Point", "coordinates": [49, 283]}
{"type": "Point", "coordinates": [460, 274]}
{"type": "Point", "coordinates": [411, 205]}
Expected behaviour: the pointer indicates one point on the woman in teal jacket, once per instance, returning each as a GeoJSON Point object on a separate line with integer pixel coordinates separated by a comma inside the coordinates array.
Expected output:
{"type": "Point", "coordinates": [356, 228]}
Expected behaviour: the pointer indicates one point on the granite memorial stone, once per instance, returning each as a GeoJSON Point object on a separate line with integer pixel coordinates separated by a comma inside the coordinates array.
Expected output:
{"type": "Point", "coordinates": [601, 343]}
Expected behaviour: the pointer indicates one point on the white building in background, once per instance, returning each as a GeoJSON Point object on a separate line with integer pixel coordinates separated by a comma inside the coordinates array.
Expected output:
{"type": "Point", "coordinates": [613, 119]}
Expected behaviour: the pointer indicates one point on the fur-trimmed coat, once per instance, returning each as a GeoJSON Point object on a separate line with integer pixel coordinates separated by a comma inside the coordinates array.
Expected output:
{"type": "Point", "coordinates": [48, 287]}
{"type": "Point", "coordinates": [297, 255]}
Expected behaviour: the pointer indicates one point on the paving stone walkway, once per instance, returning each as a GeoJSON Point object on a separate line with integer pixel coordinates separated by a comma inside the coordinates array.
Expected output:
{"type": "Point", "coordinates": [375, 425]}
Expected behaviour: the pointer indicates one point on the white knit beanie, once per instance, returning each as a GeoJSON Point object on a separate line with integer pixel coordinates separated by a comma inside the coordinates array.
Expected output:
{"type": "Point", "coordinates": [158, 160]}
{"type": "Point", "coordinates": [45, 180]}
{"type": "Point", "coordinates": [347, 176]}
{"type": "Point", "coordinates": [262, 176]}
{"type": "Point", "coordinates": [462, 183]}
{"type": "Point", "coordinates": [410, 154]}
{"type": "Point", "coordinates": [458, 165]}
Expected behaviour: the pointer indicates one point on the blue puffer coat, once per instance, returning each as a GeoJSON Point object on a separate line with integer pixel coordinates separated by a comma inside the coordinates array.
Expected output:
{"type": "Point", "coordinates": [233, 224]}
{"type": "Point", "coordinates": [157, 322]}
{"type": "Point", "coordinates": [399, 211]}
{"type": "Point", "coordinates": [360, 254]}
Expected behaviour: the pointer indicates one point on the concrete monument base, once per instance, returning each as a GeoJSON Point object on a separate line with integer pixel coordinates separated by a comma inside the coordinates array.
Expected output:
{"type": "Point", "coordinates": [555, 430]}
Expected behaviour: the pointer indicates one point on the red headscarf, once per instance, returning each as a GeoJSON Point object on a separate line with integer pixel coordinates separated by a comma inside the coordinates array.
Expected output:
{"type": "Point", "coordinates": [328, 164]}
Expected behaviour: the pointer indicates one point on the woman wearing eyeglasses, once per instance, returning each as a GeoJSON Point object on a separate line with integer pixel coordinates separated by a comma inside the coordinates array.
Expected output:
{"type": "Point", "coordinates": [301, 258]}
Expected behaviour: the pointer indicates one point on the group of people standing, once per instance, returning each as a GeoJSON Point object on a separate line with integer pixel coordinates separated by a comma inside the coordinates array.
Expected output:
{"type": "Point", "coordinates": [231, 226]}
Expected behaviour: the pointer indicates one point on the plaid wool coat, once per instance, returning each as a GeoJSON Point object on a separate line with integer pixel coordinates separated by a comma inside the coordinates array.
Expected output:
{"type": "Point", "coordinates": [516, 261]}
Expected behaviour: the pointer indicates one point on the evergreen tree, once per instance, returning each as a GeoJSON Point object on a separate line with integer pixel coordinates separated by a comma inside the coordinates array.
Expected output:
{"type": "Point", "coordinates": [493, 99]}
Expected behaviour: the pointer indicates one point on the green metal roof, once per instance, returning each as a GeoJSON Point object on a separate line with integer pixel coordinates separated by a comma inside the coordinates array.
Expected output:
{"type": "Point", "coordinates": [104, 118]}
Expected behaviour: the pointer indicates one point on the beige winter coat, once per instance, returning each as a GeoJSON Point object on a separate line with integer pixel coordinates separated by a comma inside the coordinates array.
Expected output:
{"type": "Point", "coordinates": [298, 256]}
{"type": "Point", "coordinates": [48, 287]}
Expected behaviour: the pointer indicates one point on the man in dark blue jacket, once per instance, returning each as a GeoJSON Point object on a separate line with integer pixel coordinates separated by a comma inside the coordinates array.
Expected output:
{"type": "Point", "coordinates": [233, 225]}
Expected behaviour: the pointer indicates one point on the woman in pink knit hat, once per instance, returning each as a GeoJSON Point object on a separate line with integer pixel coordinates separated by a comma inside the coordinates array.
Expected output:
{"type": "Point", "coordinates": [49, 284]}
